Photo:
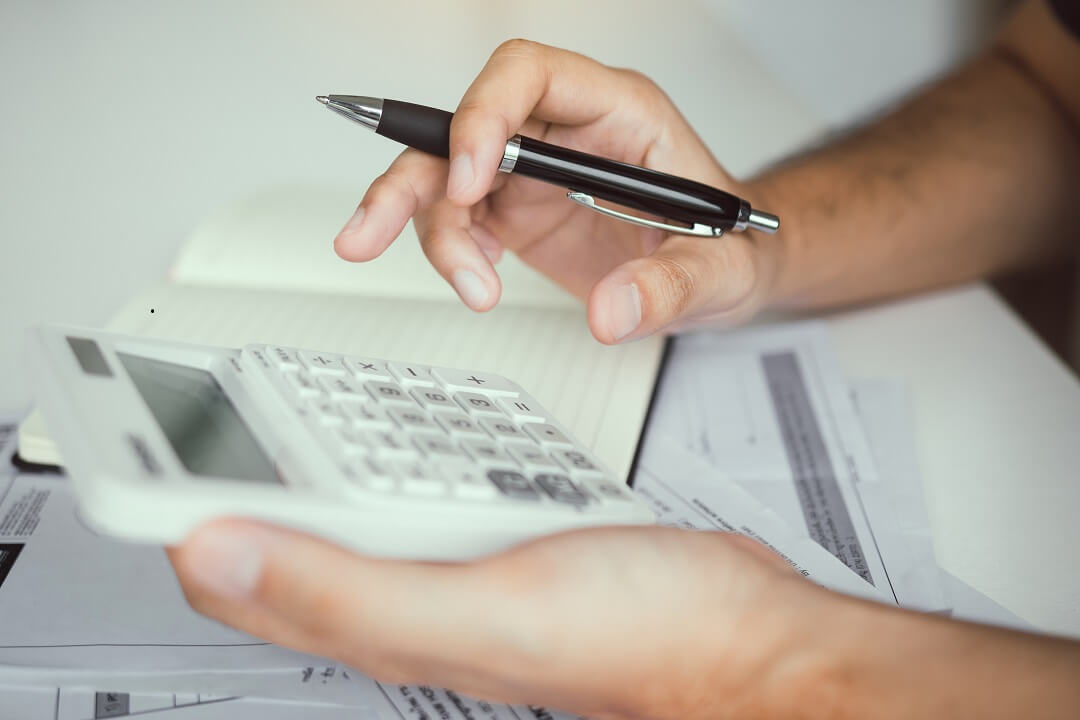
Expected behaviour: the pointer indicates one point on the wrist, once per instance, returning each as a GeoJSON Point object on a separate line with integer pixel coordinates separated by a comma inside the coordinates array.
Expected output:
{"type": "Point", "coordinates": [777, 251]}
{"type": "Point", "coordinates": [803, 673]}
{"type": "Point", "coordinates": [799, 640]}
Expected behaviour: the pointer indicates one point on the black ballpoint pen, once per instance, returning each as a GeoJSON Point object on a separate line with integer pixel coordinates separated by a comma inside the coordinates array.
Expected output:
{"type": "Point", "coordinates": [707, 211]}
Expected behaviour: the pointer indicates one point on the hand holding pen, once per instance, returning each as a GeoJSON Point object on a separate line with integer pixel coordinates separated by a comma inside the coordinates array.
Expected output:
{"type": "Point", "coordinates": [672, 271]}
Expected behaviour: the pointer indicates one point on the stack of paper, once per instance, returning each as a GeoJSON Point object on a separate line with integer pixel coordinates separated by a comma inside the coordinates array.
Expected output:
{"type": "Point", "coordinates": [755, 432]}
{"type": "Point", "coordinates": [766, 414]}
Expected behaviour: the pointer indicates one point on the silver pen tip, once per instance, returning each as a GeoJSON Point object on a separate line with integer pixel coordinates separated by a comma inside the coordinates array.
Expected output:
{"type": "Point", "coordinates": [323, 99]}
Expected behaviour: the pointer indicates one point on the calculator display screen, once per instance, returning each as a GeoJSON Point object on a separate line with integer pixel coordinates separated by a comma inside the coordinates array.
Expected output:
{"type": "Point", "coordinates": [199, 420]}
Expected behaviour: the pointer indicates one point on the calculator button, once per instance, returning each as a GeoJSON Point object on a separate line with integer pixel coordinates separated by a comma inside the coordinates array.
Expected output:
{"type": "Point", "coordinates": [437, 447]}
{"type": "Point", "coordinates": [411, 375]}
{"type": "Point", "coordinates": [610, 490]}
{"type": "Point", "coordinates": [389, 393]}
{"type": "Point", "coordinates": [513, 484]}
{"type": "Point", "coordinates": [352, 443]}
{"type": "Point", "coordinates": [434, 399]}
{"type": "Point", "coordinates": [344, 389]}
{"type": "Point", "coordinates": [367, 369]}
{"type": "Point", "coordinates": [370, 474]}
{"type": "Point", "coordinates": [459, 425]}
{"type": "Point", "coordinates": [502, 428]}
{"type": "Point", "coordinates": [576, 461]}
{"type": "Point", "coordinates": [326, 413]}
{"type": "Point", "coordinates": [322, 363]}
{"type": "Point", "coordinates": [412, 418]}
{"type": "Point", "coordinates": [486, 450]}
{"type": "Point", "coordinates": [464, 381]}
{"type": "Point", "coordinates": [368, 416]}
{"type": "Point", "coordinates": [521, 409]}
{"type": "Point", "coordinates": [282, 358]}
{"type": "Point", "coordinates": [477, 404]}
{"type": "Point", "coordinates": [301, 385]}
{"type": "Point", "coordinates": [419, 480]}
{"type": "Point", "coordinates": [561, 489]}
{"type": "Point", "coordinates": [469, 482]}
{"type": "Point", "coordinates": [531, 457]}
{"type": "Point", "coordinates": [390, 444]}
{"type": "Point", "coordinates": [546, 434]}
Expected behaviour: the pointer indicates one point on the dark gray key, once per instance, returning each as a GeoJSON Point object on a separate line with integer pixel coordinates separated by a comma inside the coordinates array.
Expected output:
{"type": "Point", "coordinates": [561, 489]}
{"type": "Point", "coordinates": [513, 484]}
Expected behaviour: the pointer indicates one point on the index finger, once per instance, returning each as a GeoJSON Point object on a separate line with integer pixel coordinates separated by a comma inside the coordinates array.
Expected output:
{"type": "Point", "coordinates": [522, 79]}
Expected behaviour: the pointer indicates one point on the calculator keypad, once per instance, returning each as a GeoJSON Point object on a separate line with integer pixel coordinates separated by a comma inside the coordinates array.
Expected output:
{"type": "Point", "coordinates": [436, 432]}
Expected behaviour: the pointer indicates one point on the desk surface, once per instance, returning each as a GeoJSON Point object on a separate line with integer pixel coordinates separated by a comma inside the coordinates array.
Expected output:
{"type": "Point", "coordinates": [997, 418]}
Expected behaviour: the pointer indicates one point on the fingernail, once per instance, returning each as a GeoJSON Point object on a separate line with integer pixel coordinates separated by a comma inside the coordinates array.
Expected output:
{"type": "Point", "coordinates": [470, 287]}
{"type": "Point", "coordinates": [625, 310]}
{"type": "Point", "coordinates": [225, 561]}
{"type": "Point", "coordinates": [461, 175]}
{"type": "Point", "coordinates": [354, 222]}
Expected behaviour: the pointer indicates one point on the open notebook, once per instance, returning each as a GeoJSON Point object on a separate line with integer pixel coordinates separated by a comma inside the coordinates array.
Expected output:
{"type": "Point", "coordinates": [264, 271]}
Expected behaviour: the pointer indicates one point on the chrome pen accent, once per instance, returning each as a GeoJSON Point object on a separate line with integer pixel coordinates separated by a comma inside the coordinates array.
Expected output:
{"type": "Point", "coordinates": [697, 229]}
{"type": "Point", "coordinates": [365, 110]}
{"type": "Point", "coordinates": [510, 154]}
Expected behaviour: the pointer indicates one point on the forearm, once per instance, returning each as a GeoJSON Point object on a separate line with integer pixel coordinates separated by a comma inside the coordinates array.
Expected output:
{"type": "Point", "coordinates": [837, 658]}
{"type": "Point", "coordinates": [871, 662]}
{"type": "Point", "coordinates": [975, 176]}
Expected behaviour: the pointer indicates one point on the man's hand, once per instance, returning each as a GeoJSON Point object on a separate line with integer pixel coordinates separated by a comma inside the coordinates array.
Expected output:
{"type": "Point", "coordinates": [637, 280]}
{"type": "Point", "coordinates": [610, 622]}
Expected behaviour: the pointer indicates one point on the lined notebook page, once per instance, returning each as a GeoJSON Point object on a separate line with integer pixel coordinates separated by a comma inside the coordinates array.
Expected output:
{"type": "Point", "coordinates": [600, 393]}
{"type": "Point", "coordinates": [282, 239]}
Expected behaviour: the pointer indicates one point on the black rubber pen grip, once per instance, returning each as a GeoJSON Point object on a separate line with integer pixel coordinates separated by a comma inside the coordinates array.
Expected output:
{"type": "Point", "coordinates": [424, 128]}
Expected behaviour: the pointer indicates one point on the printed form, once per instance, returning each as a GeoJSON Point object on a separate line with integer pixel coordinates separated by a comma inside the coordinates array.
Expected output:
{"type": "Point", "coordinates": [769, 409]}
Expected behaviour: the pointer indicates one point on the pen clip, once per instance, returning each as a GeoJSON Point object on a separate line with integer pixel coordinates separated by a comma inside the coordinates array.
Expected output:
{"type": "Point", "coordinates": [698, 229]}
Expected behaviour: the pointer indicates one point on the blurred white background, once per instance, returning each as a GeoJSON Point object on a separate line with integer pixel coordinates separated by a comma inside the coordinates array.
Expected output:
{"type": "Point", "coordinates": [124, 123]}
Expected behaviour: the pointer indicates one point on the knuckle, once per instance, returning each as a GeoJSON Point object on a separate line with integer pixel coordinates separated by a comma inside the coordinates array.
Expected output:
{"type": "Point", "coordinates": [436, 243]}
{"type": "Point", "coordinates": [640, 82]}
{"type": "Point", "coordinates": [393, 188]}
{"type": "Point", "coordinates": [517, 48]}
{"type": "Point", "coordinates": [643, 89]}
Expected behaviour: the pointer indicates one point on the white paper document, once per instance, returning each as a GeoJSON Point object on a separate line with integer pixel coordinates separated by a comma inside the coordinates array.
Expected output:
{"type": "Point", "coordinates": [9, 433]}
{"type": "Point", "coordinates": [73, 599]}
{"type": "Point", "coordinates": [88, 703]}
{"type": "Point", "coordinates": [895, 506]}
{"type": "Point", "coordinates": [394, 703]}
{"type": "Point", "coordinates": [328, 684]}
{"type": "Point", "coordinates": [413, 702]}
{"type": "Point", "coordinates": [687, 492]}
{"type": "Point", "coordinates": [770, 409]}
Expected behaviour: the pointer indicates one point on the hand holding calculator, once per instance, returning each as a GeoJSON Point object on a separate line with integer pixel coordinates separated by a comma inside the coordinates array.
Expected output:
{"type": "Point", "coordinates": [389, 458]}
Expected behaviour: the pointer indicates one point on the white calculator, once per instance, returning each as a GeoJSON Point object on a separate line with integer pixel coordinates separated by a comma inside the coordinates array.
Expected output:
{"type": "Point", "coordinates": [390, 458]}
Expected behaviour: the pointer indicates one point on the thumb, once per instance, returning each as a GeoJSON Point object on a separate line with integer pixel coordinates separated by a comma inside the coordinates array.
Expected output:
{"type": "Point", "coordinates": [684, 279]}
